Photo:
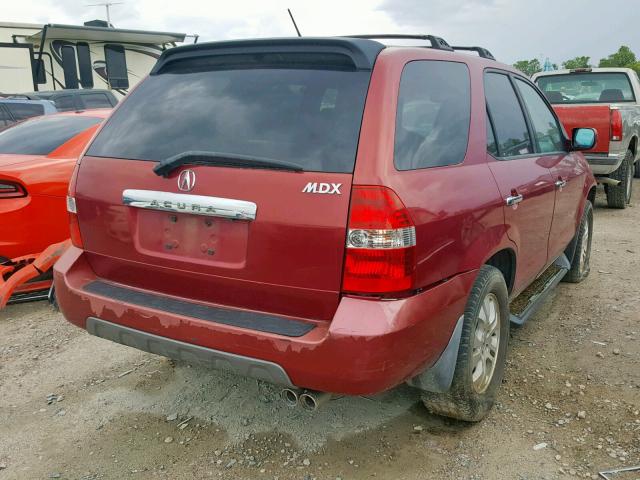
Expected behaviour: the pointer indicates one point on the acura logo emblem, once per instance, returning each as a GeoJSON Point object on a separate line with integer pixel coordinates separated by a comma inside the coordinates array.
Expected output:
{"type": "Point", "coordinates": [186, 180]}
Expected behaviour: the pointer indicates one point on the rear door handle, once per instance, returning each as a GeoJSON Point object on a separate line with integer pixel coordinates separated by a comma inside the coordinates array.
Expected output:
{"type": "Point", "coordinates": [561, 183]}
{"type": "Point", "coordinates": [514, 199]}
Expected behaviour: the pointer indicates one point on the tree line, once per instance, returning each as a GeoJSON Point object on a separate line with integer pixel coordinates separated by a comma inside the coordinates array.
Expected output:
{"type": "Point", "coordinates": [624, 57]}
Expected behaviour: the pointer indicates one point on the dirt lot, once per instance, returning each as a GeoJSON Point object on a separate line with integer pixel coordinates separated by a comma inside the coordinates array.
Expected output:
{"type": "Point", "coordinates": [76, 407]}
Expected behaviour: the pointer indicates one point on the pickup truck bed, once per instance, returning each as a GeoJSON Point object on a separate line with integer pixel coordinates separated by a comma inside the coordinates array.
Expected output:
{"type": "Point", "coordinates": [607, 100]}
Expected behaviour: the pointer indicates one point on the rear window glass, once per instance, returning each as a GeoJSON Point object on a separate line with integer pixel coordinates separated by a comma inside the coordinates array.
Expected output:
{"type": "Point", "coordinates": [587, 87]}
{"type": "Point", "coordinates": [434, 111]}
{"type": "Point", "coordinates": [21, 111]}
{"type": "Point", "coordinates": [309, 117]}
{"type": "Point", "coordinates": [95, 100]}
{"type": "Point", "coordinates": [65, 103]}
{"type": "Point", "coordinates": [43, 135]}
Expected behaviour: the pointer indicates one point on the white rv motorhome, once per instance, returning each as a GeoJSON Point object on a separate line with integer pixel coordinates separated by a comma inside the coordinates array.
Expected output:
{"type": "Point", "coordinates": [53, 57]}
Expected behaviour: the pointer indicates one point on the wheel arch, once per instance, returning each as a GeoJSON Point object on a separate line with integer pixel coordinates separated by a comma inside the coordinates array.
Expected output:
{"type": "Point", "coordinates": [633, 146]}
{"type": "Point", "coordinates": [505, 261]}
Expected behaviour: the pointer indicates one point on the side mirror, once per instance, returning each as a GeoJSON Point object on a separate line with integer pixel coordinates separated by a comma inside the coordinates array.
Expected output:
{"type": "Point", "coordinates": [583, 138]}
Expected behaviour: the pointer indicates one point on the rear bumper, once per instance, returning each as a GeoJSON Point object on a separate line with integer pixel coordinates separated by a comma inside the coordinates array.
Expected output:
{"type": "Point", "coordinates": [368, 347]}
{"type": "Point", "coordinates": [604, 163]}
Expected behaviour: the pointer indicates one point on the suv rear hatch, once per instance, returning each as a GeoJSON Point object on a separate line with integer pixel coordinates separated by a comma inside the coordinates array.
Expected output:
{"type": "Point", "coordinates": [253, 146]}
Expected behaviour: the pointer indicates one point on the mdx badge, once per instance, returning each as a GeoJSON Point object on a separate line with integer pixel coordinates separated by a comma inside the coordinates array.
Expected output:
{"type": "Point", "coordinates": [186, 180]}
{"type": "Point", "coordinates": [328, 188]}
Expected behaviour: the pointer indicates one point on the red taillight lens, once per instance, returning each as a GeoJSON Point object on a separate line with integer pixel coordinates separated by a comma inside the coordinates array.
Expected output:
{"type": "Point", "coordinates": [11, 190]}
{"type": "Point", "coordinates": [381, 239]}
{"type": "Point", "coordinates": [616, 125]}
{"type": "Point", "coordinates": [74, 226]}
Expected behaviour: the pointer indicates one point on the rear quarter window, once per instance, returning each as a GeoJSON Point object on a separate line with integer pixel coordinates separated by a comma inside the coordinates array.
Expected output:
{"type": "Point", "coordinates": [43, 135]}
{"type": "Point", "coordinates": [433, 115]}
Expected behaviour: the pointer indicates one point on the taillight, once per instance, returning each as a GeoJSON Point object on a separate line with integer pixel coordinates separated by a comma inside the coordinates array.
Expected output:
{"type": "Point", "coordinates": [616, 125]}
{"type": "Point", "coordinates": [74, 226]}
{"type": "Point", "coordinates": [381, 244]}
{"type": "Point", "coordinates": [11, 190]}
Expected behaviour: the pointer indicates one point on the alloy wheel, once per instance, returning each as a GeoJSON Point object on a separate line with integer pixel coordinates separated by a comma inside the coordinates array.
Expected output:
{"type": "Point", "coordinates": [486, 342]}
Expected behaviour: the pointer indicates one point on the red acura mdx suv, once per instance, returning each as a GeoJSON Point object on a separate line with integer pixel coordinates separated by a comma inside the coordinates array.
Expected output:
{"type": "Point", "coordinates": [330, 214]}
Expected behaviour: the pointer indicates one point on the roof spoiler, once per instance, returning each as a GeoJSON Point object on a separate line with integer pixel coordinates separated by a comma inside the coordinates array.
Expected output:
{"type": "Point", "coordinates": [361, 52]}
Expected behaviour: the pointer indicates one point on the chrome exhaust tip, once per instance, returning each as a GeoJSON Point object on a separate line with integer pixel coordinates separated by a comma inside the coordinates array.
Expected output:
{"type": "Point", "coordinates": [312, 401]}
{"type": "Point", "coordinates": [290, 396]}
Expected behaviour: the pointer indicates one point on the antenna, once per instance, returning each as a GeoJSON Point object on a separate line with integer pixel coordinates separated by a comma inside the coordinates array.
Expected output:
{"type": "Point", "coordinates": [294, 22]}
{"type": "Point", "coordinates": [106, 5]}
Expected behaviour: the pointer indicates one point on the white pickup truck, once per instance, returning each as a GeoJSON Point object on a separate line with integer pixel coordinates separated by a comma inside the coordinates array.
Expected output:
{"type": "Point", "coordinates": [608, 100]}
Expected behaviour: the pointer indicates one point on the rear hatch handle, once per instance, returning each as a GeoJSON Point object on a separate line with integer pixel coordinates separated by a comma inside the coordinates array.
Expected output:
{"type": "Point", "coordinates": [196, 157]}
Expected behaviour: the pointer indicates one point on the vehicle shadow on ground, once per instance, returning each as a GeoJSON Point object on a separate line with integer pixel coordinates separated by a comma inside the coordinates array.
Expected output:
{"type": "Point", "coordinates": [244, 407]}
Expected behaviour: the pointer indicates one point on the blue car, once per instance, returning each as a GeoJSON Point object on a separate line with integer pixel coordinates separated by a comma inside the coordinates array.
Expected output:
{"type": "Point", "coordinates": [15, 110]}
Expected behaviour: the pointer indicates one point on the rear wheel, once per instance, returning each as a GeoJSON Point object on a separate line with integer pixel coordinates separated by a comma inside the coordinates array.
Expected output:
{"type": "Point", "coordinates": [580, 264]}
{"type": "Point", "coordinates": [619, 196]}
{"type": "Point", "coordinates": [482, 353]}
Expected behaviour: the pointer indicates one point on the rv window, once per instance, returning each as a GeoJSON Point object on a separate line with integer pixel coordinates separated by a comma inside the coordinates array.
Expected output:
{"type": "Point", "coordinates": [43, 135]}
{"type": "Point", "coordinates": [21, 111]}
{"type": "Point", "coordinates": [65, 103]}
{"type": "Point", "coordinates": [84, 65]}
{"type": "Point", "coordinates": [116, 66]}
{"type": "Point", "coordinates": [69, 67]}
{"type": "Point", "coordinates": [38, 71]}
{"type": "Point", "coordinates": [95, 100]}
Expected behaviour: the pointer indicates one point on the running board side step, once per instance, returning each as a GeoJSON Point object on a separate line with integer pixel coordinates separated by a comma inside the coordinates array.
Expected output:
{"type": "Point", "coordinates": [538, 291]}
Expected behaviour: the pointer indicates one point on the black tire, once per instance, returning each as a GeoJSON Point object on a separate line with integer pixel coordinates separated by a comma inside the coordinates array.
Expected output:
{"type": "Point", "coordinates": [636, 170]}
{"type": "Point", "coordinates": [580, 264]}
{"type": "Point", "coordinates": [619, 196]}
{"type": "Point", "coordinates": [463, 401]}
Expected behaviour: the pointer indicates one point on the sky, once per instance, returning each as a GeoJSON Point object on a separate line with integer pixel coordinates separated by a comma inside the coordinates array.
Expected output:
{"type": "Point", "coordinates": [511, 29]}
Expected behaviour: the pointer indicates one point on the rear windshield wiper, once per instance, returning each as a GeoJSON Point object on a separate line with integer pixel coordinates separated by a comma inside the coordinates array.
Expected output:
{"type": "Point", "coordinates": [166, 166]}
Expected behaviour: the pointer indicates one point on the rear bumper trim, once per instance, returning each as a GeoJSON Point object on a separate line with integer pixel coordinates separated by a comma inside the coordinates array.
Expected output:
{"type": "Point", "coordinates": [260, 322]}
{"type": "Point", "coordinates": [604, 158]}
{"type": "Point", "coordinates": [604, 163]}
{"type": "Point", "coordinates": [192, 354]}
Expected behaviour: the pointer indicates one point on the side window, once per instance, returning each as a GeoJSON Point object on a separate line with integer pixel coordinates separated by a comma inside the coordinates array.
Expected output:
{"type": "Point", "coordinates": [492, 147]}
{"type": "Point", "coordinates": [548, 136]}
{"type": "Point", "coordinates": [433, 116]}
{"type": "Point", "coordinates": [65, 103]}
{"type": "Point", "coordinates": [116, 66]}
{"type": "Point", "coordinates": [95, 100]}
{"type": "Point", "coordinates": [84, 65]}
{"type": "Point", "coordinates": [5, 118]}
{"type": "Point", "coordinates": [511, 131]}
{"type": "Point", "coordinates": [69, 67]}
{"type": "Point", "coordinates": [22, 111]}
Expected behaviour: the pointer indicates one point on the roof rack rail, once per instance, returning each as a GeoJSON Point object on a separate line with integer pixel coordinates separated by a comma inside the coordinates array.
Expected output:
{"type": "Point", "coordinates": [437, 43]}
{"type": "Point", "coordinates": [483, 52]}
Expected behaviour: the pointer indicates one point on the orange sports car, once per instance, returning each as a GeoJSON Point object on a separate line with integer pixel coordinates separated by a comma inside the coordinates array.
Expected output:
{"type": "Point", "coordinates": [37, 158]}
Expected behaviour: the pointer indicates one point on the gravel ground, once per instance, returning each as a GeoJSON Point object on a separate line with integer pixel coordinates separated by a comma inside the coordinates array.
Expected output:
{"type": "Point", "coordinates": [76, 407]}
